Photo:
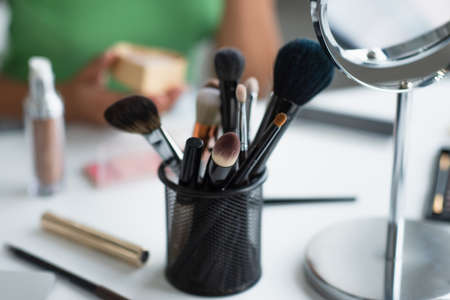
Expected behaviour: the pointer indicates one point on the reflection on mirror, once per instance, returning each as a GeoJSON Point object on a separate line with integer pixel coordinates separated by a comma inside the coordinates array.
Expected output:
{"type": "Point", "coordinates": [377, 46]}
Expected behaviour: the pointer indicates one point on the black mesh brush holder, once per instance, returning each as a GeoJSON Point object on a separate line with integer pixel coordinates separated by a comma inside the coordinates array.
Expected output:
{"type": "Point", "coordinates": [213, 237]}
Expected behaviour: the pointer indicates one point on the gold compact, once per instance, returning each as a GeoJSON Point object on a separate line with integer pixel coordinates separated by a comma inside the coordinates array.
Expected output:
{"type": "Point", "coordinates": [101, 241]}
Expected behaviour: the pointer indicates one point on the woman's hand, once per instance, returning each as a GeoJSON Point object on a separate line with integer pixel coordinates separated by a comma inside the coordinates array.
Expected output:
{"type": "Point", "coordinates": [87, 97]}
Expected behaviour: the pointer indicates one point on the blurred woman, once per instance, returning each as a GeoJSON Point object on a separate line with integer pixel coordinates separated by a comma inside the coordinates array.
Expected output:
{"type": "Point", "coordinates": [76, 35]}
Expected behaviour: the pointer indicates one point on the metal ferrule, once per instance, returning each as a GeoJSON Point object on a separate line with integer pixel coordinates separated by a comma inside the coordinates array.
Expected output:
{"type": "Point", "coordinates": [243, 126]}
{"type": "Point", "coordinates": [166, 148]}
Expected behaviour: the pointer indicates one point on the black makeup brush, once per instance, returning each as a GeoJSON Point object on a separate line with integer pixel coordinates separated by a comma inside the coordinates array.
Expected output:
{"type": "Point", "coordinates": [257, 153]}
{"type": "Point", "coordinates": [229, 64]}
{"type": "Point", "coordinates": [252, 96]}
{"type": "Point", "coordinates": [138, 114]}
{"type": "Point", "coordinates": [96, 289]}
{"type": "Point", "coordinates": [241, 95]}
{"type": "Point", "coordinates": [302, 70]}
{"type": "Point", "coordinates": [207, 114]}
{"type": "Point", "coordinates": [223, 157]}
{"type": "Point", "coordinates": [183, 207]}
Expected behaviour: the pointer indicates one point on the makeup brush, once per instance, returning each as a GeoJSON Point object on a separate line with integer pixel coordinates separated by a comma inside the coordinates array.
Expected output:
{"type": "Point", "coordinates": [252, 96]}
{"type": "Point", "coordinates": [257, 153]}
{"type": "Point", "coordinates": [138, 114]}
{"type": "Point", "coordinates": [212, 83]}
{"type": "Point", "coordinates": [183, 207]}
{"type": "Point", "coordinates": [207, 114]}
{"type": "Point", "coordinates": [229, 64]}
{"type": "Point", "coordinates": [302, 70]}
{"type": "Point", "coordinates": [223, 157]}
{"type": "Point", "coordinates": [96, 289]}
{"type": "Point", "coordinates": [241, 96]}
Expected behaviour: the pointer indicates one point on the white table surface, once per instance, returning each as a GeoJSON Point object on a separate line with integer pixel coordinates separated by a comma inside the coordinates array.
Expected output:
{"type": "Point", "coordinates": [311, 160]}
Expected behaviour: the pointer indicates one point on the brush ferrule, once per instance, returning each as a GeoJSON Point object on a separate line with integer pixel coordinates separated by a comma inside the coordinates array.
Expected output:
{"type": "Point", "coordinates": [218, 175]}
{"type": "Point", "coordinates": [250, 104]}
{"type": "Point", "coordinates": [242, 113]}
{"type": "Point", "coordinates": [202, 131]}
{"type": "Point", "coordinates": [166, 148]}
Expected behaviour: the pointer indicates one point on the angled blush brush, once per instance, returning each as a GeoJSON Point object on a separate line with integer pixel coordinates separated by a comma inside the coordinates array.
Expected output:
{"type": "Point", "coordinates": [229, 64]}
{"type": "Point", "coordinates": [138, 114]}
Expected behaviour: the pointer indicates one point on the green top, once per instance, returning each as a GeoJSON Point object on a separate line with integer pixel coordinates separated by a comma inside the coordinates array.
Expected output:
{"type": "Point", "coordinates": [71, 33]}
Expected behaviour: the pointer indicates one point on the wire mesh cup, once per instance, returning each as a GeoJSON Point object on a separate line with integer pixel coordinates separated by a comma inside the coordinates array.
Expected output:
{"type": "Point", "coordinates": [213, 237]}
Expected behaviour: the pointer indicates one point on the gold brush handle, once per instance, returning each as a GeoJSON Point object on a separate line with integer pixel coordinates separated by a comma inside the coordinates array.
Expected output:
{"type": "Point", "coordinates": [90, 237]}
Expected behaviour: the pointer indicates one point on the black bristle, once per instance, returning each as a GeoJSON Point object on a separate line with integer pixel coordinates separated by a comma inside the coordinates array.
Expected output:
{"type": "Point", "coordinates": [229, 64]}
{"type": "Point", "coordinates": [136, 114]}
{"type": "Point", "coordinates": [302, 70]}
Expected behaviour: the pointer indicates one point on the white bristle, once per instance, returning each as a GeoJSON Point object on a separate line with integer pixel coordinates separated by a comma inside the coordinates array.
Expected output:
{"type": "Point", "coordinates": [241, 93]}
{"type": "Point", "coordinates": [208, 106]}
{"type": "Point", "coordinates": [252, 85]}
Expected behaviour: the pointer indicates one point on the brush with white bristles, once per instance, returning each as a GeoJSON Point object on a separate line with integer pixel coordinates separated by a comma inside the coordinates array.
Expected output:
{"type": "Point", "coordinates": [241, 96]}
{"type": "Point", "coordinates": [252, 96]}
{"type": "Point", "coordinates": [207, 114]}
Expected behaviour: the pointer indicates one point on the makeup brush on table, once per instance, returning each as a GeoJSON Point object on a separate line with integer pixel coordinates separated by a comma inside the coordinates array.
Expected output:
{"type": "Point", "coordinates": [138, 114]}
{"type": "Point", "coordinates": [207, 114]}
{"type": "Point", "coordinates": [302, 70]}
{"type": "Point", "coordinates": [98, 290]}
{"type": "Point", "coordinates": [229, 64]}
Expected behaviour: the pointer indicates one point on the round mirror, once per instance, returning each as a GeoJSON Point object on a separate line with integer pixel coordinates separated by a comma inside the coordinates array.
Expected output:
{"type": "Point", "coordinates": [386, 44]}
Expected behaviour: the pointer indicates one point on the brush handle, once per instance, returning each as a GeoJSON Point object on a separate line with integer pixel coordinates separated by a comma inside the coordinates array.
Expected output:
{"type": "Point", "coordinates": [166, 147]}
{"type": "Point", "coordinates": [256, 154]}
{"type": "Point", "coordinates": [98, 290]}
{"type": "Point", "coordinates": [228, 105]}
{"type": "Point", "coordinates": [276, 105]}
{"type": "Point", "coordinates": [292, 114]}
{"type": "Point", "coordinates": [251, 101]}
{"type": "Point", "coordinates": [265, 121]}
{"type": "Point", "coordinates": [278, 201]}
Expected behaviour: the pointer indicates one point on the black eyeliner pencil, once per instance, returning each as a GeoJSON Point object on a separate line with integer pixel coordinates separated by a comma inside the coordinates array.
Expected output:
{"type": "Point", "coordinates": [282, 201]}
{"type": "Point", "coordinates": [100, 291]}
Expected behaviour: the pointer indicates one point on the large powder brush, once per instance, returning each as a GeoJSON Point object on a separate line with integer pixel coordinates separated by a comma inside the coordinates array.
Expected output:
{"type": "Point", "coordinates": [302, 70]}
{"type": "Point", "coordinates": [138, 114]}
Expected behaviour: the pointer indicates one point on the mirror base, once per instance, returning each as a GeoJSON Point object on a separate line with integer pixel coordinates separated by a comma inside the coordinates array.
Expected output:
{"type": "Point", "coordinates": [347, 260]}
